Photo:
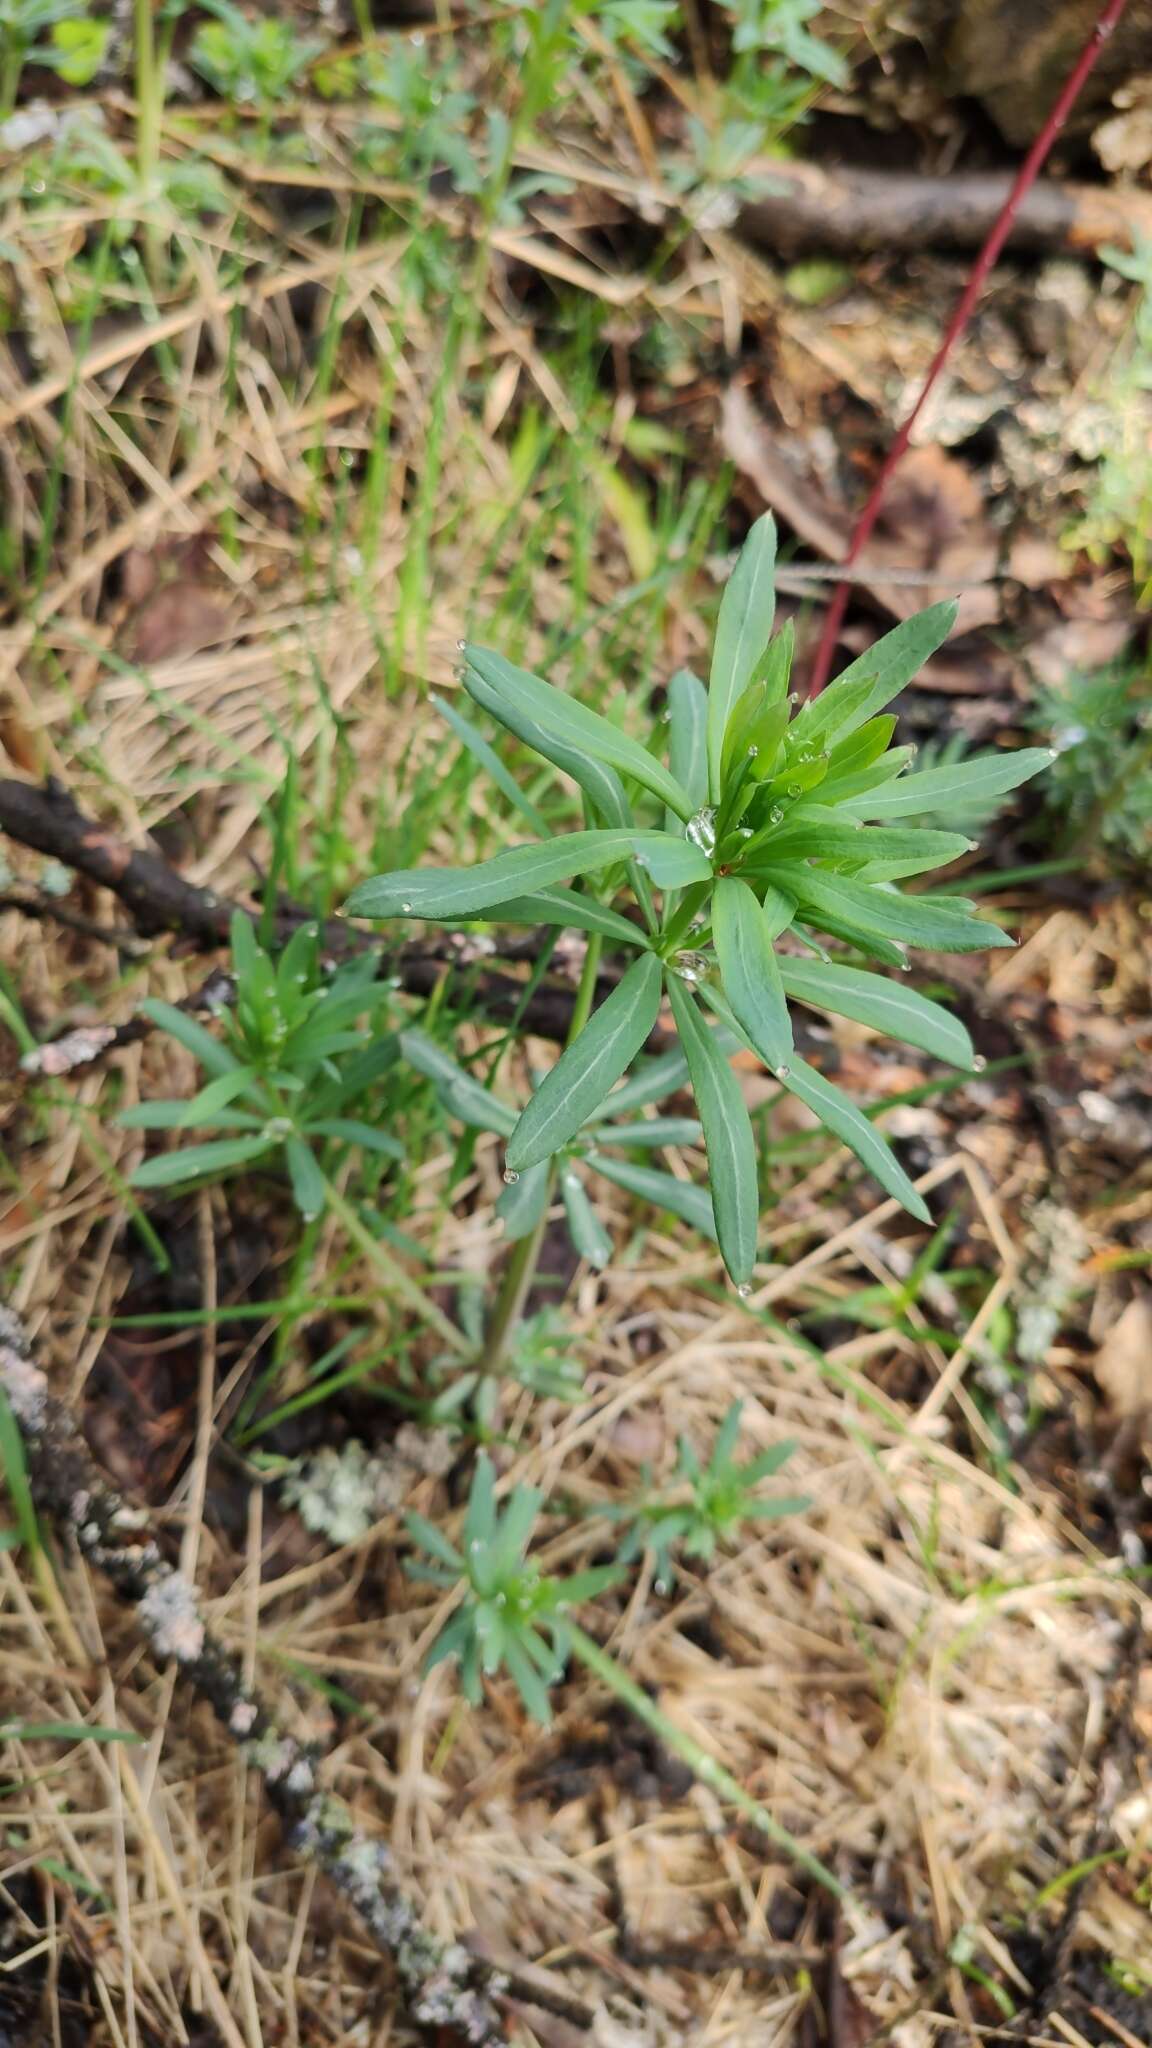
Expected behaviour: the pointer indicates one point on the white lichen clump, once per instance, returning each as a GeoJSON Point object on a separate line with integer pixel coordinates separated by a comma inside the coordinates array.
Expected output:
{"type": "Point", "coordinates": [340, 1494]}
{"type": "Point", "coordinates": [171, 1617]}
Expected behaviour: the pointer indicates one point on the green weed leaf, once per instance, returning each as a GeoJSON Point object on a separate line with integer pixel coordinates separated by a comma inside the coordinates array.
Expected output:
{"type": "Point", "coordinates": [728, 1136]}
{"type": "Point", "coordinates": [590, 1067]}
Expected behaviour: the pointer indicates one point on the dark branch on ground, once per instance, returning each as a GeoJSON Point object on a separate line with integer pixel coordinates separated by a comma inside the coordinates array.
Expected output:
{"type": "Point", "coordinates": [161, 900]}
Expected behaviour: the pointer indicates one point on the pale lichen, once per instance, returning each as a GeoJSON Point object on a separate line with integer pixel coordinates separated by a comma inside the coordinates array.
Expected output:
{"type": "Point", "coordinates": [171, 1617]}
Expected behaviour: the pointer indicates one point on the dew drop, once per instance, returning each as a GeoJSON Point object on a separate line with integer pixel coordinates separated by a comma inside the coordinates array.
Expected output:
{"type": "Point", "coordinates": [405, 906]}
{"type": "Point", "coordinates": [905, 967]}
{"type": "Point", "coordinates": [510, 1178]}
{"type": "Point", "coordinates": [793, 696]}
{"type": "Point", "coordinates": [978, 1063]}
{"type": "Point", "coordinates": [793, 789]}
{"type": "Point", "coordinates": [1053, 753]}
{"type": "Point", "coordinates": [666, 718]}
{"type": "Point", "coordinates": [775, 814]}
{"type": "Point", "coordinates": [476, 1546]}
{"type": "Point", "coordinates": [744, 1290]}
{"type": "Point", "coordinates": [782, 1071]}
{"type": "Point", "coordinates": [461, 646]}
{"type": "Point", "coordinates": [752, 753]}
{"type": "Point", "coordinates": [701, 830]}
{"type": "Point", "coordinates": [660, 1586]}
{"type": "Point", "coordinates": [746, 832]}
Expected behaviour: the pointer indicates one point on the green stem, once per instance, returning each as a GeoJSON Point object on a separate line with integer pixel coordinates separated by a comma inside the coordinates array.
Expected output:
{"type": "Point", "coordinates": [700, 1763]}
{"type": "Point", "coordinates": [398, 1280]}
{"type": "Point", "coordinates": [520, 1271]}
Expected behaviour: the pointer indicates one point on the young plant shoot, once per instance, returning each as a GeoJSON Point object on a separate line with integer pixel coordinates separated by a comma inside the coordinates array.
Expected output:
{"type": "Point", "coordinates": [777, 828]}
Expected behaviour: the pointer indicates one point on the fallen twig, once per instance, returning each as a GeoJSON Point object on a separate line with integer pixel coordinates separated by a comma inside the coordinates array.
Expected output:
{"type": "Point", "coordinates": [850, 209]}
{"type": "Point", "coordinates": [446, 1987]}
{"type": "Point", "coordinates": [161, 900]}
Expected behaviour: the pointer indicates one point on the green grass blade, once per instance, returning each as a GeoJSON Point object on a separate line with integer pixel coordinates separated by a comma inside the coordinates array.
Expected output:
{"type": "Point", "coordinates": [743, 629]}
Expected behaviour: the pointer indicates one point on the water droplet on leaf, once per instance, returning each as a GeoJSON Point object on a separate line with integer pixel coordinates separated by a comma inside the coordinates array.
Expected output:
{"type": "Point", "coordinates": [701, 830]}
{"type": "Point", "coordinates": [510, 1178]}
{"type": "Point", "coordinates": [775, 814]}
{"type": "Point", "coordinates": [405, 906]}
{"type": "Point", "coordinates": [782, 1071]}
{"type": "Point", "coordinates": [978, 1063]}
{"type": "Point", "coordinates": [744, 1290]}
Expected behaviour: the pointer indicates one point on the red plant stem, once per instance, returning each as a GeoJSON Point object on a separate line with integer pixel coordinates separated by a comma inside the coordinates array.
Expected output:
{"type": "Point", "coordinates": [1001, 229]}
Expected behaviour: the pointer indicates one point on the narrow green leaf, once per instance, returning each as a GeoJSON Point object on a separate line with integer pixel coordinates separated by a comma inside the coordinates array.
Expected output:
{"type": "Point", "coordinates": [916, 851]}
{"type": "Point", "coordinates": [522, 1203]}
{"type": "Point", "coordinates": [466, 892]}
{"type": "Point", "coordinates": [681, 1198]}
{"type": "Point", "coordinates": [600, 783]}
{"type": "Point", "coordinates": [687, 738]}
{"type": "Point", "coordinates": [963, 782]}
{"type": "Point", "coordinates": [588, 1233]}
{"type": "Point", "coordinates": [728, 1137]}
{"type": "Point", "coordinates": [885, 913]}
{"type": "Point", "coordinates": [354, 1132]}
{"type": "Point", "coordinates": [589, 1067]}
{"type": "Point", "coordinates": [750, 970]}
{"type": "Point", "coordinates": [890, 663]}
{"type": "Point", "coordinates": [569, 910]}
{"type": "Point", "coordinates": [885, 1005]}
{"type": "Point", "coordinates": [743, 629]}
{"type": "Point", "coordinates": [171, 1169]}
{"type": "Point", "coordinates": [173, 1116]}
{"type": "Point", "coordinates": [218, 1094]}
{"type": "Point", "coordinates": [840, 1114]}
{"type": "Point", "coordinates": [213, 1057]}
{"type": "Point", "coordinates": [651, 1132]}
{"type": "Point", "coordinates": [308, 1190]}
{"type": "Point", "coordinates": [472, 1103]}
{"type": "Point", "coordinates": [489, 760]}
{"type": "Point", "coordinates": [649, 1081]}
{"type": "Point", "coordinates": [571, 723]}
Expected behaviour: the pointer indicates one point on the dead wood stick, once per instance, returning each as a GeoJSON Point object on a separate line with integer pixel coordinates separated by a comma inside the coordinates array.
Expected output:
{"type": "Point", "coordinates": [448, 1990]}
{"type": "Point", "coordinates": [162, 900]}
{"type": "Point", "coordinates": [849, 210]}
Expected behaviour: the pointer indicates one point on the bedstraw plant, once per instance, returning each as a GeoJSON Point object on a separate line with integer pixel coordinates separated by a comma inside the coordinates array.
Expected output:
{"type": "Point", "coordinates": [718, 877]}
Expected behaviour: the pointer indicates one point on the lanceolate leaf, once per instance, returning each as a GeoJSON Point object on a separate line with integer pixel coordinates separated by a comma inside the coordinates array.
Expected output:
{"type": "Point", "coordinates": [906, 920]}
{"type": "Point", "coordinates": [921, 850]}
{"type": "Point", "coordinates": [728, 1136]}
{"type": "Point", "coordinates": [891, 662]}
{"type": "Point", "coordinates": [590, 1066]}
{"type": "Point", "coordinates": [522, 1203]}
{"type": "Point", "coordinates": [884, 1004]}
{"type": "Point", "coordinates": [747, 609]}
{"type": "Point", "coordinates": [573, 912]}
{"type": "Point", "coordinates": [573, 724]}
{"type": "Point", "coordinates": [840, 1114]}
{"type": "Point", "coordinates": [471, 1102]}
{"type": "Point", "coordinates": [600, 783]}
{"type": "Point", "coordinates": [750, 971]}
{"type": "Point", "coordinates": [588, 1233]}
{"type": "Point", "coordinates": [681, 1197]}
{"type": "Point", "coordinates": [963, 782]}
{"type": "Point", "coordinates": [468, 892]}
{"type": "Point", "coordinates": [687, 739]}
{"type": "Point", "coordinates": [652, 1131]}
{"type": "Point", "coordinates": [169, 1169]}
{"type": "Point", "coordinates": [651, 1081]}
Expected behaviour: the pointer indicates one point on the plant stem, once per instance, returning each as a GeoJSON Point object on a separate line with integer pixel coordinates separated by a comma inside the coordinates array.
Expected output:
{"type": "Point", "coordinates": [1025, 178]}
{"type": "Point", "coordinates": [397, 1279]}
{"type": "Point", "coordinates": [700, 1763]}
{"type": "Point", "coordinates": [520, 1271]}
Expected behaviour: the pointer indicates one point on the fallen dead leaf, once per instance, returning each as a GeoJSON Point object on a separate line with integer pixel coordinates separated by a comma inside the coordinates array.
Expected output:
{"type": "Point", "coordinates": [1123, 1366]}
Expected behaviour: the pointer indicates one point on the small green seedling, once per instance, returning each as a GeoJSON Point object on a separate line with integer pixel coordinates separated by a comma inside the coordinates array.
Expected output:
{"type": "Point", "coordinates": [721, 1497]}
{"type": "Point", "coordinates": [776, 822]}
{"type": "Point", "coordinates": [540, 1357]}
{"type": "Point", "coordinates": [296, 1056]}
{"type": "Point", "coordinates": [512, 1617]}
